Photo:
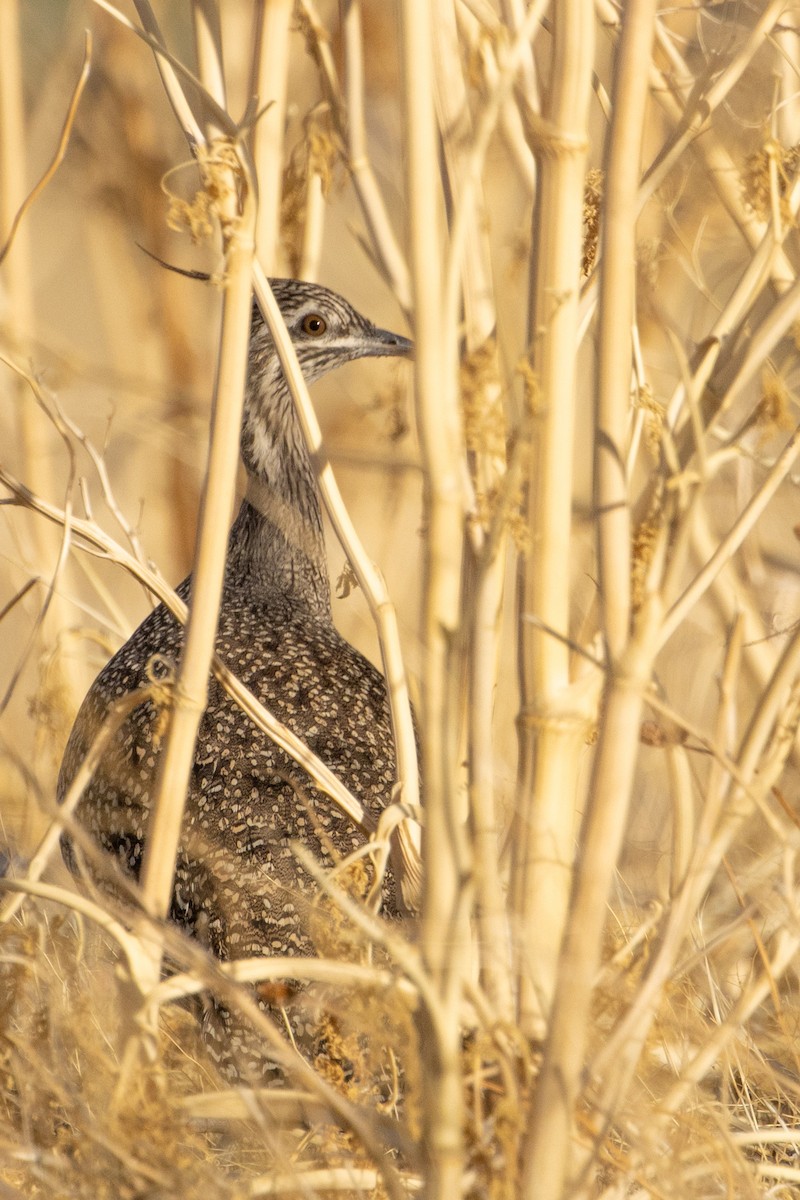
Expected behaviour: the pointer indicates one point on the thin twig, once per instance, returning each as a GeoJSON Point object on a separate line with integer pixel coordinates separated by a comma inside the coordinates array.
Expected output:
{"type": "Point", "coordinates": [61, 148]}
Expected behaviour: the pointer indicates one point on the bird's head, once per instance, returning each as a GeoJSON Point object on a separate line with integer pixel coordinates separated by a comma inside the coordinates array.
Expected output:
{"type": "Point", "coordinates": [326, 331]}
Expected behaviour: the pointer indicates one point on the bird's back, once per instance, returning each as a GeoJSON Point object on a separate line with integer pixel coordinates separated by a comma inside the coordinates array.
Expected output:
{"type": "Point", "coordinates": [239, 887]}
{"type": "Point", "coordinates": [248, 799]}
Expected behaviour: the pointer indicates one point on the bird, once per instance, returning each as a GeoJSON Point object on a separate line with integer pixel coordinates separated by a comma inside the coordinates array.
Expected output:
{"type": "Point", "coordinates": [239, 888]}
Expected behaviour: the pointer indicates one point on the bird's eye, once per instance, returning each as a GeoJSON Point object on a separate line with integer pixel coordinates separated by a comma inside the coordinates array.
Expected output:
{"type": "Point", "coordinates": [314, 325]}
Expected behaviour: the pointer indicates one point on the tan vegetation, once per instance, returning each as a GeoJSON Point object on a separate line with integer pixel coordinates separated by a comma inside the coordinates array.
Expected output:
{"type": "Point", "coordinates": [581, 502]}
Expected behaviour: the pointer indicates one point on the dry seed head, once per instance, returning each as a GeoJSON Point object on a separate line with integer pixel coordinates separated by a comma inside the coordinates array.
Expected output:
{"type": "Point", "coordinates": [654, 420]}
{"type": "Point", "coordinates": [333, 933]}
{"type": "Point", "coordinates": [317, 153]}
{"type": "Point", "coordinates": [592, 199]}
{"type": "Point", "coordinates": [644, 540]}
{"type": "Point", "coordinates": [193, 216]}
{"type": "Point", "coordinates": [221, 169]}
{"type": "Point", "coordinates": [530, 383]}
{"type": "Point", "coordinates": [221, 173]}
{"type": "Point", "coordinates": [479, 385]}
{"type": "Point", "coordinates": [757, 179]}
{"type": "Point", "coordinates": [773, 413]}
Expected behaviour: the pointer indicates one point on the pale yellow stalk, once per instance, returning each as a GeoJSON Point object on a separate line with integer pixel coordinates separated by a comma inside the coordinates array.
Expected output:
{"type": "Point", "coordinates": [699, 110]}
{"type": "Point", "coordinates": [17, 271]}
{"type": "Point", "coordinates": [758, 766]}
{"type": "Point", "coordinates": [208, 48]}
{"type": "Point", "coordinates": [444, 931]}
{"type": "Point", "coordinates": [191, 688]}
{"type": "Point", "coordinates": [554, 716]}
{"type": "Point", "coordinates": [484, 609]}
{"type": "Point", "coordinates": [313, 228]}
{"type": "Point", "coordinates": [310, 1181]}
{"type": "Point", "coordinates": [270, 84]}
{"type": "Point", "coordinates": [383, 242]}
{"type": "Point", "coordinates": [314, 970]}
{"type": "Point", "coordinates": [547, 1157]}
{"type": "Point", "coordinates": [733, 539]}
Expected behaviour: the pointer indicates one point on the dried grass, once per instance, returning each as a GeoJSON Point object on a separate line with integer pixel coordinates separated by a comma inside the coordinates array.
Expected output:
{"type": "Point", "coordinates": [639, 682]}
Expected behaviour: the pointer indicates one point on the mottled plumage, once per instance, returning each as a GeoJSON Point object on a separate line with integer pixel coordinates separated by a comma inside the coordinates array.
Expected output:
{"type": "Point", "coordinates": [238, 886]}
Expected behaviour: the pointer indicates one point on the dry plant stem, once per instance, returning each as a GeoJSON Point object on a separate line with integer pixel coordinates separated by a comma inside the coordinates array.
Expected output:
{"type": "Point", "coordinates": [191, 685]}
{"type": "Point", "coordinates": [236, 211]}
{"type": "Point", "coordinates": [484, 613]}
{"type": "Point", "coordinates": [130, 946]}
{"type": "Point", "coordinates": [321, 1179]}
{"type": "Point", "coordinates": [208, 48]}
{"type": "Point", "coordinates": [492, 913]}
{"type": "Point", "coordinates": [171, 70]}
{"type": "Point", "coordinates": [718, 827]}
{"type": "Point", "coordinates": [371, 583]}
{"type": "Point", "coordinates": [747, 290]}
{"type": "Point", "coordinates": [515, 17]}
{"type": "Point", "coordinates": [383, 241]}
{"type": "Point", "coordinates": [693, 123]}
{"type": "Point", "coordinates": [470, 264]}
{"type": "Point", "coordinates": [547, 1157]}
{"type": "Point", "coordinates": [11, 109]}
{"type": "Point", "coordinates": [13, 189]}
{"type": "Point", "coordinates": [617, 300]}
{"type": "Point", "coordinates": [62, 552]}
{"type": "Point", "coordinates": [683, 822]}
{"type": "Point", "coordinates": [714, 159]}
{"type": "Point", "coordinates": [270, 85]}
{"type": "Point", "coordinates": [235, 997]}
{"type": "Point", "coordinates": [732, 597]}
{"type": "Point", "coordinates": [510, 124]}
{"type": "Point", "coordinates": [314, 970]}
{"type": "Point", "coordinates": [725, 732]}
{"type": "Point", "coordinates": [313, 227]}
{"type": "Point", "coordinates": [717, 163]}
{"type": "Point", "coordinates": [733, 539]}
{"type": "Point", "coordinates": [760, 344]}
{"type": "Point", "coordinates": [469, 187]}
{"type": "Point", "coordinates": [736, 1020]}
{"type": "Point", "coordinates": [548, 1153]}
{"type": "Point", "coordinates": [444, 932]}
{"type": "Point", "coordinates": [553, 717]}
{"type": "Point", "coordinates": [100, 466]}
{"type": "Point", "coordinates": [383, 244]}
